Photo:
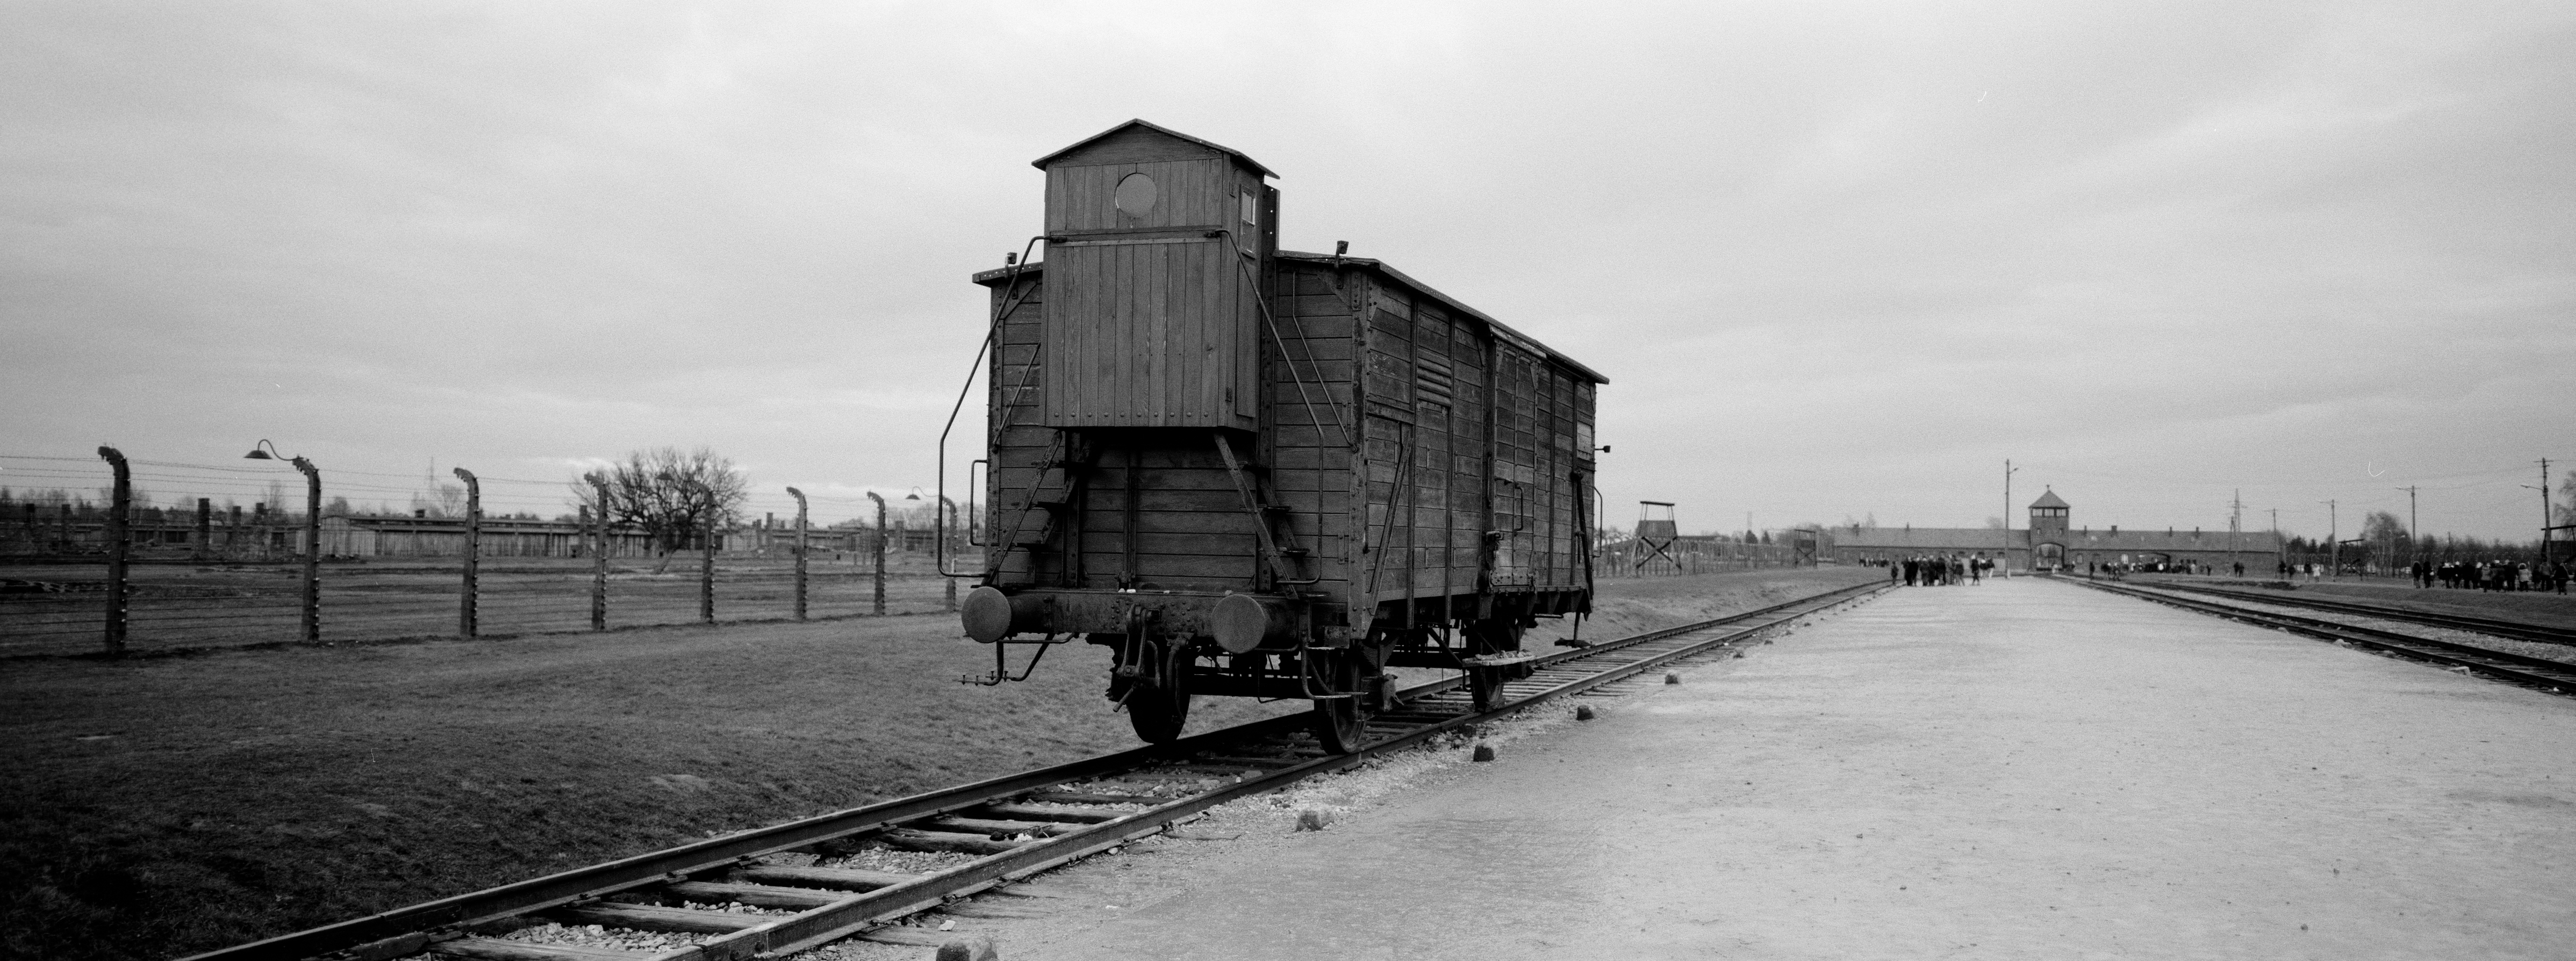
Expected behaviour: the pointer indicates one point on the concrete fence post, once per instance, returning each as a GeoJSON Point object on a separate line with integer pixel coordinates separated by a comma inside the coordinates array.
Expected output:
{"type": "Point", "coordinates": [800, 552]}
{"type": "Point", "coordinates": [466, 622]}
{"type": "Point", "coordinates": [599, 558]}
{"type": "Point", "coordinates": [948, 522]}
{"type": "Point", "coordinates": [707, 570]}
{"type": "Point", "coordinates": [312, 549]}
{"type": "Point", "coordinates": [879, 606]}
{"type": "Point", "coordinates": [120, 500]}
{"type": "Point", "coordinates": [205, 528]}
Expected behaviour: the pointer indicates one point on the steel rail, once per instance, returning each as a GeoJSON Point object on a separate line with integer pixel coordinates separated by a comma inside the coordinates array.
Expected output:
{"type": "Point", "coordinates": [415, 928]}
{"type": "Point", "coordinates": [2516, 630]}
{"type": "Point", "coordinates": [2557, 677]}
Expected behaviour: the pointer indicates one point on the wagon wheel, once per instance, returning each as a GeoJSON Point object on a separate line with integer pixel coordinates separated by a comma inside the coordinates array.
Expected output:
{"type": "Point", "coordinates": [1340, 723]}
{"type": "Point", "coordinates": [1157, 705]}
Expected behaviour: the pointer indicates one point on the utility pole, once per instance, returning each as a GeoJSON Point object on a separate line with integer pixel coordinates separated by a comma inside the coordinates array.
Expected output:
{"type": "Point", "coordinates": [2008, 472]}
{"type": "Point", "coordinates": [2334, 559]}
{"type": "Point", "coordinates": [2544, 508]}
{"type": "Point", "coordinates": [2414, 547]}
{"type": "Point", "coordinates": [2279, 557]}
{"type": "Point", "coordinates": [2235, 524]}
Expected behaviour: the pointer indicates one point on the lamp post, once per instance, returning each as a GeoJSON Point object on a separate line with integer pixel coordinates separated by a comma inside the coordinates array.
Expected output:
{"type": "Point", "coordinates": [2006, 563]}
{"type": "Point", "coordinates": [312, 534]}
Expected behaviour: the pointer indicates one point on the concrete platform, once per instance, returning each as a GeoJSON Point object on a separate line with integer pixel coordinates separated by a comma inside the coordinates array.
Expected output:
{"type": "Point", "coordinates": [2016, 770]}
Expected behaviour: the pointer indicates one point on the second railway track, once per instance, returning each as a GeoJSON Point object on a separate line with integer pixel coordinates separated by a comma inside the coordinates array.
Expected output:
{"type": "Point", "coordinates": [2515, 630]}
{"type": "Point", "coordinates": [1011, 828]}
{"type": "Point", "coordinates": [2556, 677]}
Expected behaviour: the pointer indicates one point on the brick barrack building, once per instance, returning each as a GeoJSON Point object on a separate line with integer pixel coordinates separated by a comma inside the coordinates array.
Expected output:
{"type": "Point", "coordinates": [2049, 543]}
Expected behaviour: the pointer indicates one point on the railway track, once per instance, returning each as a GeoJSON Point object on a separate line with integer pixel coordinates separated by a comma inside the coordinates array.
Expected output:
{"type": "Point", "coordinates": [2508, 629]}
{"type": "Point", "coordinates": [2556, 677]}
{"type": "Point", "coordinates": [1008, 828]}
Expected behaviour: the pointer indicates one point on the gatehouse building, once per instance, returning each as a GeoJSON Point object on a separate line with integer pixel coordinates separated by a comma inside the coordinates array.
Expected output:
{"type": "Point", "coordinates": [2052, 542]}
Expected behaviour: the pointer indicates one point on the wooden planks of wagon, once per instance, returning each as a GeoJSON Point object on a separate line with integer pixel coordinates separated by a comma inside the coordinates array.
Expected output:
{"type": "Point", "coordinates": [1261, 473]}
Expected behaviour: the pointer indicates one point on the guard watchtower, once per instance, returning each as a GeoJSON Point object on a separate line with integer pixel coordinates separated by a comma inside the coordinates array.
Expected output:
{"type": "Point", "coordinates": [1156, 243]}
{"type": "Point", "coordinates": [1655, 536]}
{"type": "Point", "coordinates": [2048, 517]}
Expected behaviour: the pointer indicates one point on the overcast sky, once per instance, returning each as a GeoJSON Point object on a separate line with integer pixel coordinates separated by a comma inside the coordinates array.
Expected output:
{"type": "Point", "coordinates": [1838, 260]}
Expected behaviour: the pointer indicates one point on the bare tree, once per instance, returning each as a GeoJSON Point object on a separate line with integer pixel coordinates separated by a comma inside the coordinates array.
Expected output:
{"type": "Point", "coordinates": [671, 495]}
{"type": "Point", "coordinates": [2386, 534]}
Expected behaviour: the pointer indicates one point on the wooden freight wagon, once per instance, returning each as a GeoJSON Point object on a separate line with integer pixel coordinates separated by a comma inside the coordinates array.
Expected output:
{"type": "Point", "coordinates": [1262, 473]}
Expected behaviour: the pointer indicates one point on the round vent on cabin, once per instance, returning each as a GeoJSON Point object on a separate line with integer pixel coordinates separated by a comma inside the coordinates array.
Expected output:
{"type": "Point", "coordinates": [1136, 195]}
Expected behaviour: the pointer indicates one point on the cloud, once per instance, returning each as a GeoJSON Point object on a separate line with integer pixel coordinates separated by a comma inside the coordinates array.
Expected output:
{"type": "Point", "coordinates": [1838, 258]}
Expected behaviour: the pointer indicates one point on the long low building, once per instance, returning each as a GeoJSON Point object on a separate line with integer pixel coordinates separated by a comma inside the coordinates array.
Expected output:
{"type": "Point", "coordinates": [2050, 543]}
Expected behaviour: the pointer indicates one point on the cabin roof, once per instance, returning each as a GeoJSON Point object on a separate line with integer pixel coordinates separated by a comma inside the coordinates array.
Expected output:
{"type": "Point", "coordinates": [2049, 498]}
{"type": "Point", "coordinates": [1452, 303]}
{"type": "Point", "coordinates": [1245, 158]}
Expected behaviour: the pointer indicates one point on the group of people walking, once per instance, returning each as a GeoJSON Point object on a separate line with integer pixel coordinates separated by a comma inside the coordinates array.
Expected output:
{"type": "Point", "coordinates": [1928, 570]}
{"type": "Point", "coordinates": [2492, 575]}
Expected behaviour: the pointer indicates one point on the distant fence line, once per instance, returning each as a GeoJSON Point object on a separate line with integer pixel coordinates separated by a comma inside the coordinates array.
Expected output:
{"type": "Point", "coordinates": [1692, 554]}
{"type": "Point", "coordinates": [120, 574]}
{"type": "Point", "coordinates": [29, 530]}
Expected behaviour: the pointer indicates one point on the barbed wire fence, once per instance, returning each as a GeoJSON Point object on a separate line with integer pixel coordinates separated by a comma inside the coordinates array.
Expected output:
{"type": "Point", "coordinates": [1626, 555]}
{"type": "Point", "coordinates": [115, 555]}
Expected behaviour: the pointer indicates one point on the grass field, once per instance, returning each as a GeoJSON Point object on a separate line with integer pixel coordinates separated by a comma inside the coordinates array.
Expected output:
{"type": "Point", "coordinates": [162, 806]}
{"type": "Point", "coordinates": [178, 606]}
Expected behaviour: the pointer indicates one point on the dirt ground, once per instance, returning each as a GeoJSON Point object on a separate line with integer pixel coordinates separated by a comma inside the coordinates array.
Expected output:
{"type": "Point", "coordinates": [2029, 770]}
{"type": "Point", "coordinates": [160, 806]}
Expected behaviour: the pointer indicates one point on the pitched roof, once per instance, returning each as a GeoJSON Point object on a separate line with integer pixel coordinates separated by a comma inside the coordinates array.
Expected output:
{"type": "Point", "coordinates": [2049, 498]}
{"type": "Point", "coordinates": [1972, 539]}
{"type": "Point", "coordinates": [2165, 541]}
{"type": "Point", "coordinates": [1452, 303]}
{"type": "Point", "coordinates": [1247, 160]}
{"type": "Point", "coordinates": [1944, 539]}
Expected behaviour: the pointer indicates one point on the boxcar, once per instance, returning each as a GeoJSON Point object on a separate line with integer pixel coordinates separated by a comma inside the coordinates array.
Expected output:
{"type": "Point", "coordinates": [1261, 473]}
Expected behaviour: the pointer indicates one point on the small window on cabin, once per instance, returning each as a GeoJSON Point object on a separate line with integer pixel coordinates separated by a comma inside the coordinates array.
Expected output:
{"type": "Point", "coordinates": [1251, 208]}
{"type": "Point", "coordinates": [1136, 195]}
